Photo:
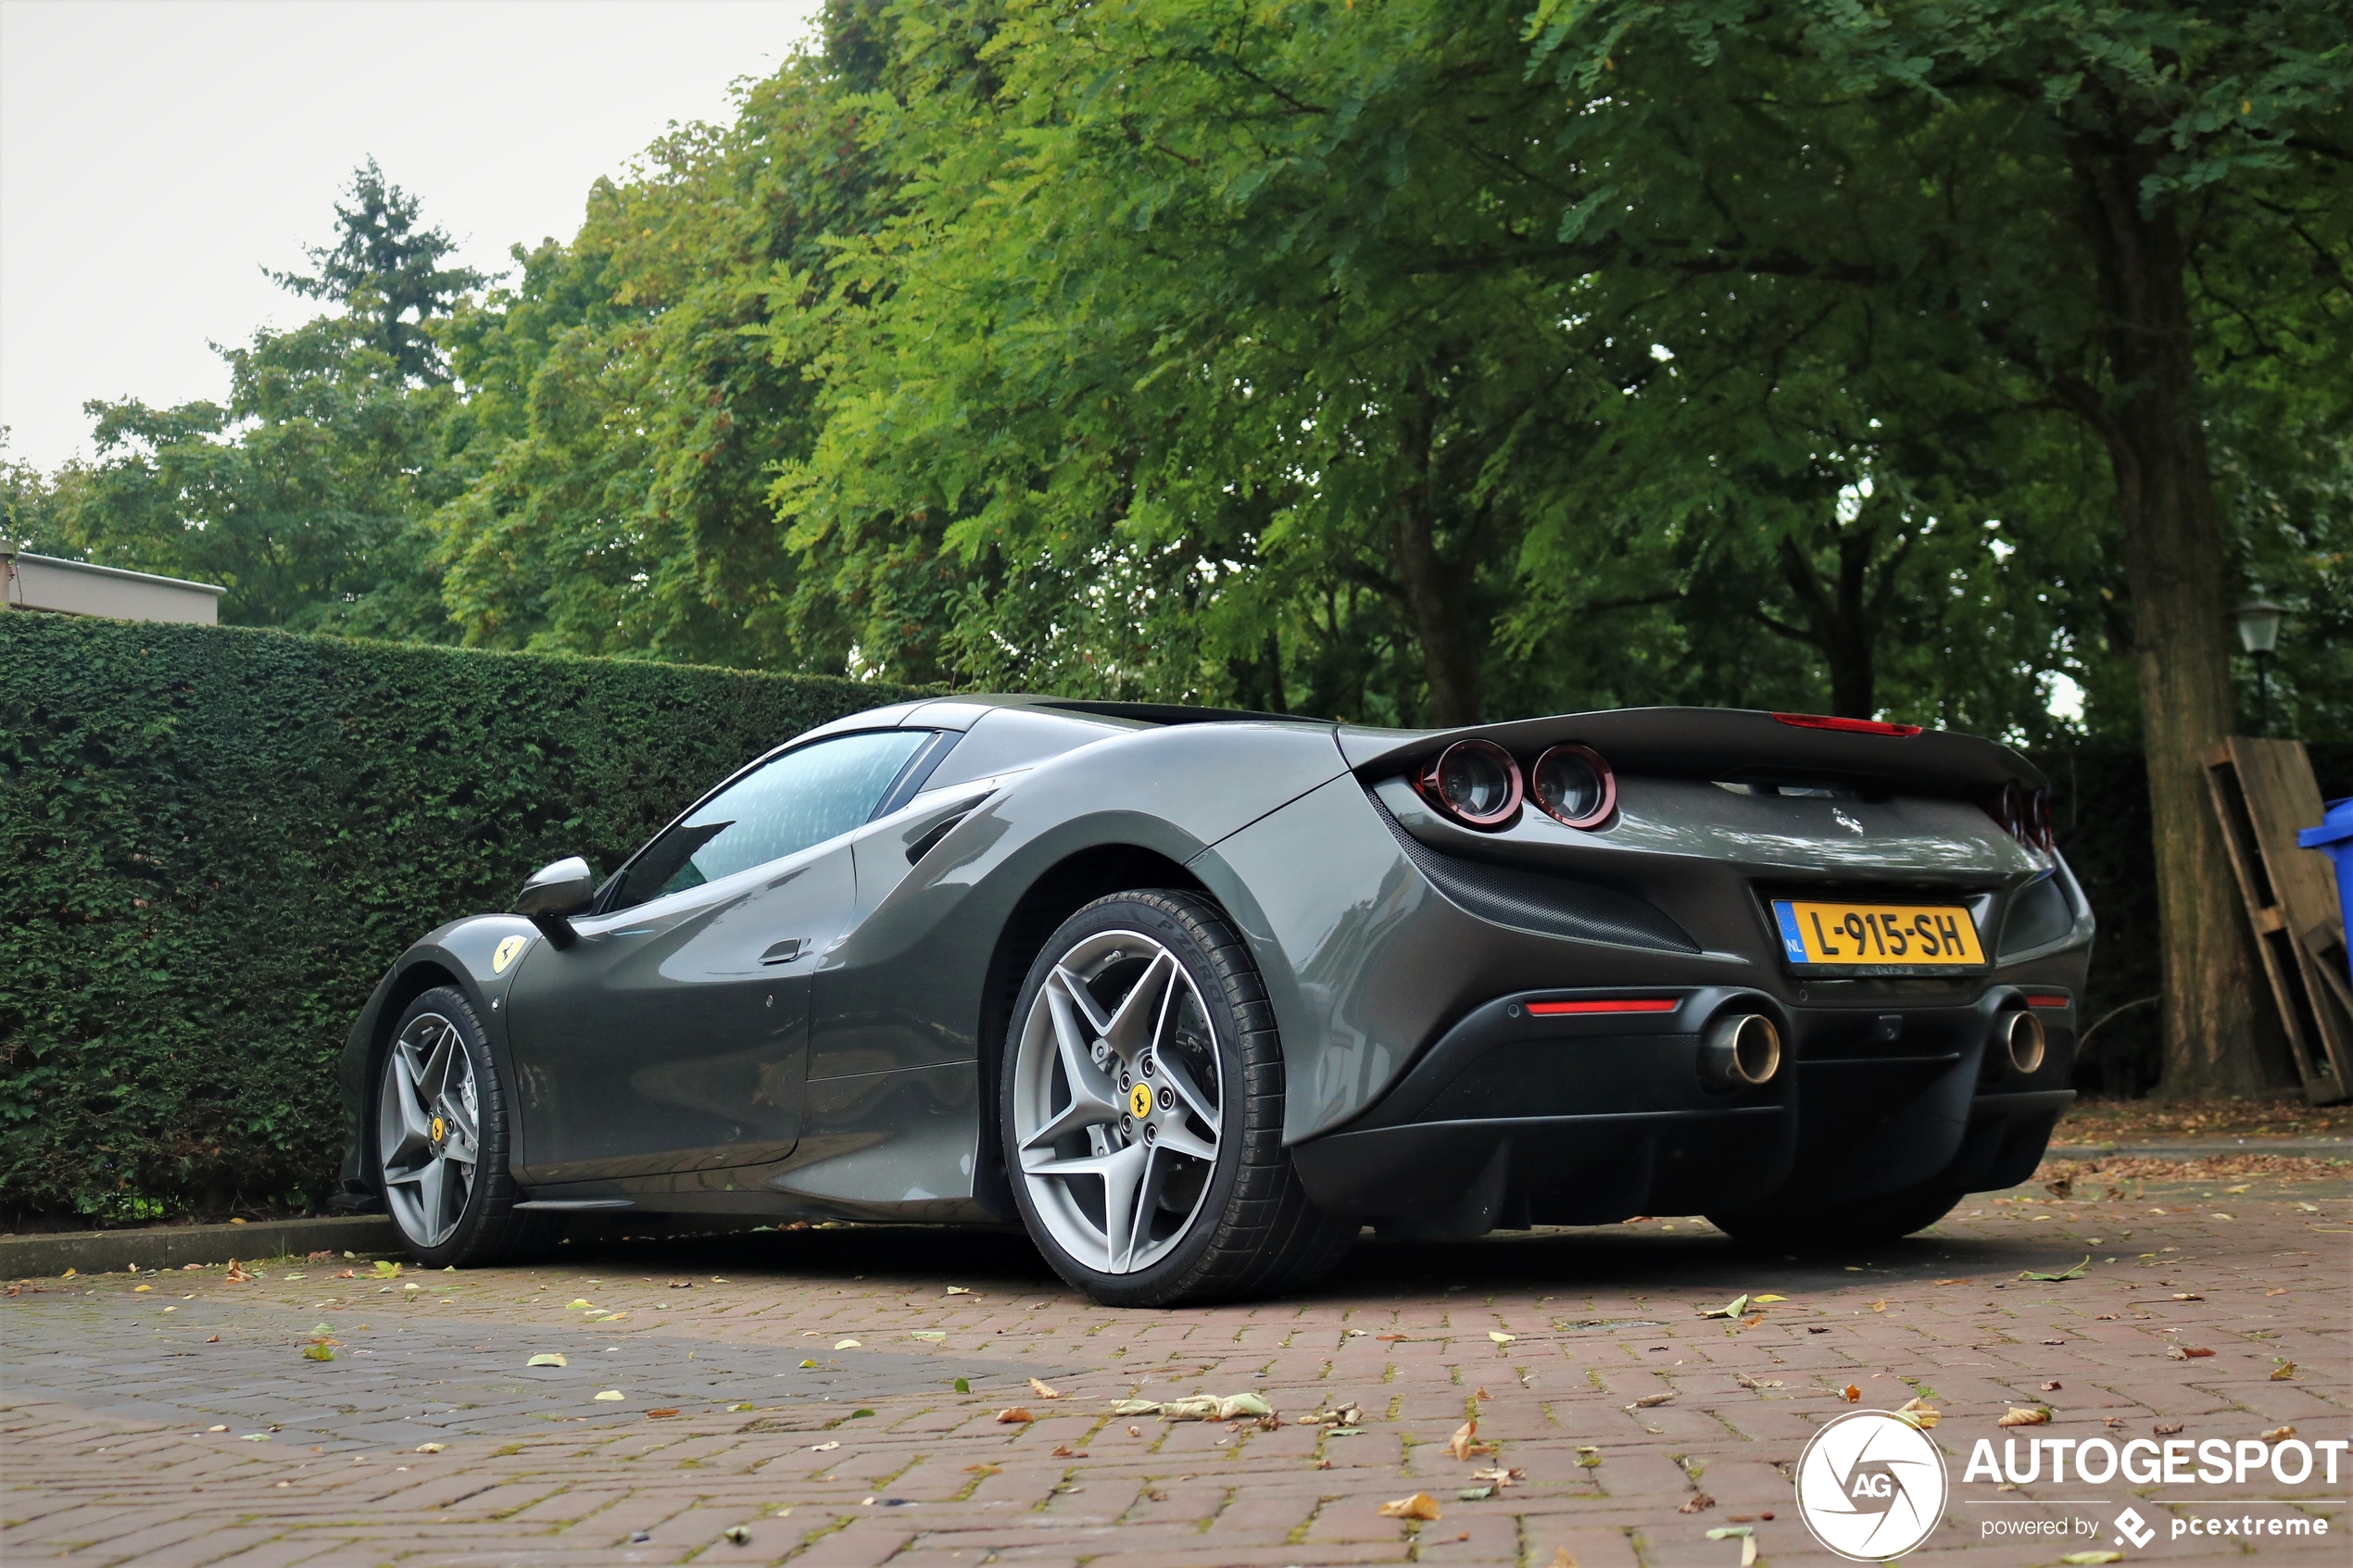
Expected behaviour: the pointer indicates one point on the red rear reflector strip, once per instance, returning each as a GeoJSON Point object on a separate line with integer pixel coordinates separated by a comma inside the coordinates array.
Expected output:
{"type": "Point", "coordinates": [1857, 726]}
{"type": "Point", "coordinates": [2047, 1001]}
{"type": "Point", "coordinates": [1628, 1004]}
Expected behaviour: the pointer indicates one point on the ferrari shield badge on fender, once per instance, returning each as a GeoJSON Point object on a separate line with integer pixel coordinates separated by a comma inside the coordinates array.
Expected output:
{"type": "Point", "coordinates": [505, 953]}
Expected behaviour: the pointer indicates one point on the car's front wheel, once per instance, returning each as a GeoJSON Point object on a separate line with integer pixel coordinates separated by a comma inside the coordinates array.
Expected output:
{"type": "Point", "coordinates": [441, 1141]}
{"type": "Point", "coordinates": [1142, 1107]}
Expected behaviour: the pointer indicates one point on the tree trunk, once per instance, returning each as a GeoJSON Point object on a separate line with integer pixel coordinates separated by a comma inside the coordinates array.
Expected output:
{"type": "Point", "coordinates": [1437, 600]}
{"type": "Point", "coordinates": [2175, 563]}
{"type": "Point", "coordinates": [1841, 617]}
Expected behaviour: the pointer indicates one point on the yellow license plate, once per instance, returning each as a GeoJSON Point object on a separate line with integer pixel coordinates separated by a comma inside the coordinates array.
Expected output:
{"type": "Point", "coordinates": [1847, 933]}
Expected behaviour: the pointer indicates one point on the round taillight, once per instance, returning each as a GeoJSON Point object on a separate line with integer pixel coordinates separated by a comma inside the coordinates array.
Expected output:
{"type": "Point", "coordinates": [1475, 782]}
{"type": "Point", "coordinates": [1574, 786]}
{"type": "Point", "coordinates": [2010, 810]}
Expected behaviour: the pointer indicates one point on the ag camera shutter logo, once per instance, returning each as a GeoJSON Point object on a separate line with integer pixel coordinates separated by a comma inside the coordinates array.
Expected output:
{"type": "Point", "coordinates": [1871, 1486]}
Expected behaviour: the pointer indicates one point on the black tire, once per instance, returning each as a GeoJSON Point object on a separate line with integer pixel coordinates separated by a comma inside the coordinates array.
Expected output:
{"type": "Point", "coordinates": [488, 1229]}
{"type": "Point", "coordinates": [1871, 1222]}
{"type": "Point", "coordinates": [1254, 1233]}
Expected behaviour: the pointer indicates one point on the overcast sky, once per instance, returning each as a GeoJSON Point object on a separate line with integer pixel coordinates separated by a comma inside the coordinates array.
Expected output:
{"type": "Point", "coordinates": [154, 157]}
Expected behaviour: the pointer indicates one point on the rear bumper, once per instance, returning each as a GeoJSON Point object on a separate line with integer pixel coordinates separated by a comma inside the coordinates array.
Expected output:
{"type": "Point", "coordinates": [1514, 1119]}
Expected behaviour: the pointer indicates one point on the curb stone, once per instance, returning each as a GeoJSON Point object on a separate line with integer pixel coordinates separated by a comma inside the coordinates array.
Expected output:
{"type": "Point", "coordinates": [168, 1247]}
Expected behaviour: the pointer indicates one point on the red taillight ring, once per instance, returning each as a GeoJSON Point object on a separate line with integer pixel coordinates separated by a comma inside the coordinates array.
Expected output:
{"type": "Point", "coordinates": [1428, 783]}
{"type": "Point", "coordinates": [1594, 760]}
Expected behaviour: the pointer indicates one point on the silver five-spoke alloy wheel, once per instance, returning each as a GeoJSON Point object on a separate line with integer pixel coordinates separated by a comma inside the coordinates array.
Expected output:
{"type": "Point", "coordinates": [1116, 1102]}
{"type": "Point", "coordinates": [428, 1129]}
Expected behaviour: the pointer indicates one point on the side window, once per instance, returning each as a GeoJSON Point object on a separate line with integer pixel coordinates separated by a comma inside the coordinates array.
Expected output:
{"type": "Point", "coordinates": [802, 798]}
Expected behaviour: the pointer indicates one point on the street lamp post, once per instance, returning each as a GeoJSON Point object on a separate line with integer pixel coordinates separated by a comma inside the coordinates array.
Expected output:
{"type": "Point", "coordinates": [2259, 632]}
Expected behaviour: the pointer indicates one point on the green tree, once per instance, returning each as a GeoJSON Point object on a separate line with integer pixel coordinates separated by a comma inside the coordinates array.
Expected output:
{"type": "Point", "coordinates": [385, 269]}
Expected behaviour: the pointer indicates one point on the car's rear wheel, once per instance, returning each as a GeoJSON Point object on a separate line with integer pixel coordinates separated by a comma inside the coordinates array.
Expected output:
{"type": "Point", "coordinates": [1141, 1100]}
{"type": "Point", "coordinates": [1828, 1228]}
{"type": "Point", "coordinates": [442, 1141]}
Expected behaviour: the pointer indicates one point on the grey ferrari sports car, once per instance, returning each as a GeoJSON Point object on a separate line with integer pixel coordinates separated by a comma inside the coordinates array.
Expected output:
{"type": "Point", "coordinates": [1193, 996]}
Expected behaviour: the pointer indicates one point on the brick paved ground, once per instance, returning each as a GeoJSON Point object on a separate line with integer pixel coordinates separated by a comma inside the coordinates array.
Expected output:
{"type": "Point", "coordinates": [846, 1456]}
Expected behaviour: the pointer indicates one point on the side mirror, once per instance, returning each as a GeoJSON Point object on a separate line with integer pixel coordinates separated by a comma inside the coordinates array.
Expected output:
{"type": "Point", "coordinates": [555, 893]}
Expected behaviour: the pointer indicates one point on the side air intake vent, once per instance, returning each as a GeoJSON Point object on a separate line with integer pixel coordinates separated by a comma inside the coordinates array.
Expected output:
{"type": "Point", "coordinates": [1537, 901]}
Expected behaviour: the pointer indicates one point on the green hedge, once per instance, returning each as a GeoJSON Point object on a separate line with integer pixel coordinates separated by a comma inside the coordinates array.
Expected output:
{"type": "Point", "coordinates": [213, 840]}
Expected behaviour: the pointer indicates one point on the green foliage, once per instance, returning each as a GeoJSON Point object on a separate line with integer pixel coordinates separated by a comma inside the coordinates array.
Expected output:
{"type": "Point", "coordinates": [217, 839]}
{"type": "Point", "coordinates": [388, 271]}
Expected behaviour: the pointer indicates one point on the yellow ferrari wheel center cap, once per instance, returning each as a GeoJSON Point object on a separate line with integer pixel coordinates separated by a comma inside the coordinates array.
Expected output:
{"type": "Point", "coordinates": [1140, 1101]}
{"type": "Point", "coordinates": [440, 1130]}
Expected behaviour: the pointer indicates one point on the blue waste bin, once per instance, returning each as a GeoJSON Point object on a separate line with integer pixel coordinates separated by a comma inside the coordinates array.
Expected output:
{"type": "Point", "coordinates": [2333, 838]}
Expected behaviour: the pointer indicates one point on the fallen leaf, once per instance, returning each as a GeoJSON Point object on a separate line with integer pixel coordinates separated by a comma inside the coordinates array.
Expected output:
{"type": "Point", "coordinates": [1729, 1531]}
{"type": "Point", "coordinates": [2075, 1272]}
{"type": "Point", "coordinates": [2052, 1386]}
{"type": "Point", "coordinates": [1758, 1384]}
{"type": "Point", "coordinates": [848, 1344]}
{"type": "Point", "coordinates": [2063, 1188]}
{"type": "Point", "coordinates": [1482, 1392]}
{"type": "Point", "coordinates": [216, 1429]}
{"type": "Point", "coordinates": [548, 1358]}
{"type": "Point", "coordinates": [2282, 1372]}
{"type": "Point", "coordinates": [1699, 1500]}
{"type": "Point", "coordinates": [958, 1290]}
{"type": "Point", "coordinates": [1920, 1413]}
{"type": "Point", "coordinates": [2279, 1434]}
{"type": "Point", "coordinates": [1753, 1300]}
{"type": "Point", "coordinates": [2187, 1296]}
{"type": "Point", "coordinates": [806, 1362]}
{"type": "Point", "coordinates": [2277, 1290]}
{"type": "Point", "coordinates": [384, 1268]}
{"type": "Point", "coordinates": [2188, 1352]}
{"type": "Point", "coordinates": [984, 1469]}
{"type": "Point", "coordinates": [1421, 1505]}
{"type": "Point", "coordinates": [1731, 1308]}
{"type": "Point", "coordinates": [1459, 1444]}
{"type": "Point", "coordinates": [1499, 1475]}
{"type": "Point", "coordinates": [1878, 1306]}
{"type": "Point", "coordinates": [1475, 1494]}
{"type": "Point", "coordinates": [2026, 1415]}
{"type": "Point", "coordinates": [745, 1406]}
{"type": "Point", "coordinates": [1390, 1338]}
{"type": "Point", "coordinates": [1647, 1401]}
{"type": "Point", "coordinates": [738, 1532]}
{"type": "Point", "coordinates": [961, 1385]}
{"type": "Point", "coordinates": [431, 1448]}
{"type": "Point", "coordinates": [659, 1415]}
{"type": "Point", "coordinates": [1562, 1560]}
{"type": "Point", "coordinates": [137, 1288]}
{"type": "Point", "coordinates": [933, 1335]}
{"type": "Point", "coordinates": [2166, 1428]}
{"type": "Point", "coordinates": [2085, 1559]}
{"type": "Point", "coordinates": [578, 1305]}
{"type": "Point", "coordinates": [1853, 1394]}
{"type": "Point", "coordinates": [1043, 1392]}
{"type": "Point", "coordinates": [1015, 1416]}
{"type": "Point", "coordinates": [1067, 1451]}
{"type": "Point", "coordinates": [825, 1447]}
{"type": "Point", "coordinates": [213, 1339]}
{"type": "Point", "coordinates": [611, 1394]}
{"type": "Point", "coordinates": [1964, 1279]}
{"type": "Point", "coordinates": [1496, 1335]}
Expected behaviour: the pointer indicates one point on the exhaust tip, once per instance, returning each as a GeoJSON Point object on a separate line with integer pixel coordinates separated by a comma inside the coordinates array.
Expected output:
{"type": "Point", "coordinates": [2021, 1035]}
{"type": "Point", "coordinates": [1740, 1050]}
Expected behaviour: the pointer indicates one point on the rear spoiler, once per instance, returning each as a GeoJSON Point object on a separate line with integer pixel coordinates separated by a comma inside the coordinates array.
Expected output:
{"type": "Point", "coordinates": [1737, 745]}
